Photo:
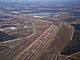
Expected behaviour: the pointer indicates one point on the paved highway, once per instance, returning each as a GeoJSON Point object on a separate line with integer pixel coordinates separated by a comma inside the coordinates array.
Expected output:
{"type": "Point", "coordinates": [63, 36]}
{"type": "Point", "coordinates": [35, 49]}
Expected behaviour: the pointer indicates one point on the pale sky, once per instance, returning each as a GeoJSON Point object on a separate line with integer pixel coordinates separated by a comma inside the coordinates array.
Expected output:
{"type": "Point", "coordinates": [34, 0]}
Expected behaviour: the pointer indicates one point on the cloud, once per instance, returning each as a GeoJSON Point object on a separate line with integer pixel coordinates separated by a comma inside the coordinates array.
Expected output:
{"type": "Point", "coordinates": [35, 0]}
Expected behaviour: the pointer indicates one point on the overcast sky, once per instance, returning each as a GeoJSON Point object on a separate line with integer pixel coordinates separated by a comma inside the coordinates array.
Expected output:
{"type": "Point", "coordinates": [34, 0]}
{"type": "Point", "coordinates": [25, 0]}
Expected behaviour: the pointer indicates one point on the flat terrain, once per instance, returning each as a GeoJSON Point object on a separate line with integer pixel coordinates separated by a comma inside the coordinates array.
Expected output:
{"type": "Point", "coordinates": [40, 31]}
{"type": "Point", "coordinates": [47, 38]}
